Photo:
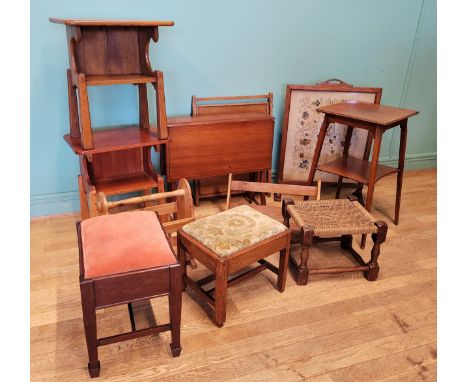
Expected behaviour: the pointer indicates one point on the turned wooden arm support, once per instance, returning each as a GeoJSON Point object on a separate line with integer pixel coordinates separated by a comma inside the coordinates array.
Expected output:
{"type": "Point", "coordinates": [183, 201]}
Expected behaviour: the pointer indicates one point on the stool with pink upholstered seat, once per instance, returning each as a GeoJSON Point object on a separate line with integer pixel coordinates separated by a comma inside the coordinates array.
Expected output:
{"type": "Point", "coordinates": [125, 258]}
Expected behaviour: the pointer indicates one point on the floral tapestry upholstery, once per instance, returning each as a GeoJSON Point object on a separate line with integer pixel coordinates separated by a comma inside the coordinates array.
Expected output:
{"type": "Point", "coordinates": [230, 231]}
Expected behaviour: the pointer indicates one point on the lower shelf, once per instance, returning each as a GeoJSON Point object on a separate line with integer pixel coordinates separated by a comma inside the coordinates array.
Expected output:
{"type": "Point", "coordinates": [355, 169]}
{"type": "Point", "coordinates": [122, 185]}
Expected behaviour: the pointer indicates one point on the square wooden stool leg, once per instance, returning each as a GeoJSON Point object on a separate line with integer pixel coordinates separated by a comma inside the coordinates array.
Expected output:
{"type": "Point", "coordinates": [221, 294]}
{"type": "Point", "coordinates": [283, 269]}
{"type": "Point", "coordinates": [90, 328]}
{"type": "Point", "coordinates": [175, 309]}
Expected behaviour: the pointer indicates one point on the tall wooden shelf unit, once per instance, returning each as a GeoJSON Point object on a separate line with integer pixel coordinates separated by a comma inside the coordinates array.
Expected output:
{"type": "Point", "coordinates": [114, 160]}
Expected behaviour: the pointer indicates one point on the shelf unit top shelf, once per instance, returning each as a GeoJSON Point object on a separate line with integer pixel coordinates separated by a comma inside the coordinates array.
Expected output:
{"type": "Point", "coordinates": [355, 169]}
{"type": "Point", "coordinates": [116, 138]}
{"type": "Point", "coordinates": [112, 23]}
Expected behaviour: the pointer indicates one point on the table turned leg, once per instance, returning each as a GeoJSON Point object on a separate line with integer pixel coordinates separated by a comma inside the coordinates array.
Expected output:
{"type": "Point", "coordinates": [221, 294]}
{"type": "Point", "coordinates": [372, 174]}
{"type": "Point", "coordinates": [378, 238]}
{"type": "Point", "coordinates": [318, 149]}
{"type": "Point", "coordinates": [367, 148]}
{"type": "Point", "coordinates": [347, 143]}
{"type": "Point", "coordinates": [401, 167]}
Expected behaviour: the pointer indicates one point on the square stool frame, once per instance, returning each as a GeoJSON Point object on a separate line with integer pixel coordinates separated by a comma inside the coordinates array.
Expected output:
{"type": "Point", "coordinates": [307, 239]}
{"type": "Point", "coordinates": [222, 267]}
{"type": "Point", "coordinates": [126, 288]}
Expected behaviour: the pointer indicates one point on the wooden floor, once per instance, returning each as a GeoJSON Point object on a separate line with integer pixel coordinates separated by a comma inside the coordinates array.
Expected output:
{"type": "Point", "coordinates": [336, 328]}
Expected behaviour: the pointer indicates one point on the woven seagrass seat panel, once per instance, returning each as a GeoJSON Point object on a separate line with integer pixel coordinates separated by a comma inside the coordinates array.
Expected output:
{"type": "Point", "coordinates": [230, 231]}
{"type": "Point", "coordinates": [333, 217]}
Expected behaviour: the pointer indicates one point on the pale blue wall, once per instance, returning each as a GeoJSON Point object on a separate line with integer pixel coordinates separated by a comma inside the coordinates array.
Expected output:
{"type": "Point", "coordinates": [232, 48]}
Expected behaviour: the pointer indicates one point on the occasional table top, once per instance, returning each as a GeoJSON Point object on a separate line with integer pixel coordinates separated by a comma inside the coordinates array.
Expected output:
{"type": "Point", "coordinates": [131, 23]}
{"type": "Point", "coordinates": [369, 112]}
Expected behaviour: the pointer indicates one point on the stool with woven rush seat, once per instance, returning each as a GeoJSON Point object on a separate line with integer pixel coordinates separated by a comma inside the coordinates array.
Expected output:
{"type": "Point", "coordinates": [333, 220]}
{"type": "Point", "coordinates": [228, 242]}
{"type": "Point", "coordinates": [126, 258]}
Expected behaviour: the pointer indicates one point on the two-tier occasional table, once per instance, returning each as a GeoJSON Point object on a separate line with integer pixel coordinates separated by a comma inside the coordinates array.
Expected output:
{"type": "Point", "coordinates": [376, 119]}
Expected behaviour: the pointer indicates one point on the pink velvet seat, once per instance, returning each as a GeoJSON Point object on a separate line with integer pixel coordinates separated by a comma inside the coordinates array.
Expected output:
{"type": "Point", "coordinates": [125, 258]}
{"type": "Point", "coordinates": [124, 242]}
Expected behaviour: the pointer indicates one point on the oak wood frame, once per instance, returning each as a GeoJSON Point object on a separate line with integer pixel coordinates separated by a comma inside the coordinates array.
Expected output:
{"type": "Point", "coordinates": [126, 288]}
{"type": "Point", "coordinates": [222, 267]}
{"type": "Point", "coordinates": [215, 186]}
{"type": "Point", "coordinates": [331, 85]}
{"type": "Point", "coordinates": [306, 237]}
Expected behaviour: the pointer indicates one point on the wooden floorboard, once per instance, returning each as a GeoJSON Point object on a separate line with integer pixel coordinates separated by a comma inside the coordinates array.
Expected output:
{"type": "Point", "coordinates": [337, 328]}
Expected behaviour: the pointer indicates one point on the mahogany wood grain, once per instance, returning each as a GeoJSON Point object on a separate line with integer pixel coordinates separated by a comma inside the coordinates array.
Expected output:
{"type": "Point", "coordinates": [262, 103]}
{"type": "Point", "coordinates": [355, 169]}
{"type": "Point", "coordinates": [125, 183]}
{"type": "Point", "coordinates": [88, 23]}
{"type": "Point", "coordinates": [117, 138]}
{"type": "Point", "coordinates": [368, 112]}
{"type": "Point", "coordinates": [234, 143]}
{"type": "Point", "coordinates": [123, 50]}
{"type": "Point", "coordinates": [95, 52]}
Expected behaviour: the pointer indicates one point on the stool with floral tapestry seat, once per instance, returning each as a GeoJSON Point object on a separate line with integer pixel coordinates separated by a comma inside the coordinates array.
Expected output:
{"type": "Point", "coordinates": [229, 242]}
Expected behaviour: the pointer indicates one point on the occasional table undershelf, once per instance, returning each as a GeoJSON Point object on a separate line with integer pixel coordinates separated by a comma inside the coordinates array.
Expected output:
{"type": "Point", "coordinates": [355, 169]}
{"type": "Point", "coordinates": [117, 138]}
